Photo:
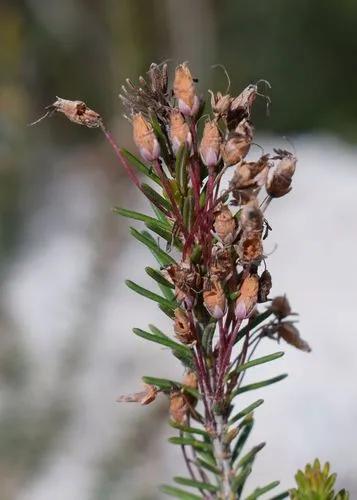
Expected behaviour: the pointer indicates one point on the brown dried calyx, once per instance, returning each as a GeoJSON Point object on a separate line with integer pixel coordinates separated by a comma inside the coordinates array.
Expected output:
{"type": "Point", "coordinates": [288, 332]}
{"type": "Point", "coordinates": [182, 327]}
{"type": "Point", "coordinates": [248, 178]}
{"type": "Point", "coordinates": [238, 143]}
{"type": "Point", "coordinates": [186, 280]}
{"type": "Point", "coordinates": [185, 92]}
{"type": "Point", "coordinates": [210, 144]}
{"type": "Point", "coordinates": [181, 402]}
{"type": "Point", "coordinates": [280, 307]}
{"type": "Point", "coordinates": [221, 263]}
{"type": "Point", "coordinates": [214, 298]}
{"type": "Point", "coordinates": [248, 297]}
{"type": "Point", "coordinates": [279, 178]}
{"type": "Point", "coordinates": [225, 224]}
{"type": "Point", "coordinates": [148, 395]}
{"type": "Point", "coordinates": [220, 104]}
{"type": "Point", "coordinates": [145, 138]}
{"type": "Point", "coordinates": [76, 111]}
{"type": "Point", "coordinates": [179, 131]}
{"type": "Point", "coordinates": [265, 284]}
{"type": "Point", "coordinates": [250, 247]}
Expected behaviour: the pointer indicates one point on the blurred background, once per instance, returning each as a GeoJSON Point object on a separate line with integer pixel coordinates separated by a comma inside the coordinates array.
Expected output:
{"type": "Point", "coordinates": [66, 347]}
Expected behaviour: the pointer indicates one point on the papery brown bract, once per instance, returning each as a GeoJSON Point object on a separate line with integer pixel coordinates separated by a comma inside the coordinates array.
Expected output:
{"type": "Point", "coordinates": [148, 395]}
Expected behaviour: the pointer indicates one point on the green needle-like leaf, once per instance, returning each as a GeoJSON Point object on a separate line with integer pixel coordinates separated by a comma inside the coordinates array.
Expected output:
{"type": "Point", "coordinates": [181, 169]}
{"type": "Point", "coordinates": [249, 457]}
{"type": "Point", "coordinates": [195, 484]}
{"type": "Point", "coordinates": [190, 430]}
{"type": "Point", "coordinates": [169, 385]}
{"type": "Point", "coordinates": [163, 258]}
{"type": "Point", "coordinates": [260, 491]}
{"type": "Point", "coordinates": [158, 277]}
{"type": "Point", "coordinates": [258, 385]}
{"type": "Point", "coordinates": [165, 341]}
{"type": "Point", "coordinates": [155, 197]}
{"type": "Point", "coordinates": [131, 214]}
{"type": "Point", "coordinates": [282, 495]}
{"type": "Point", "coordinates": [139, 165]}
{"type": "Point", "coordinates": [187, 441]}
{"type": "Point", "coordinates": [245, 430]}
{"type": "Point", "coordinates": [239, 481]}
{"type": "Point", "coordinates": [178, 493]}
{"type": "Point", "coordinates": [246, 411]}
{"type": "Point", "coordinates": [149, 295]}
{"type": "Point", "coordinates": [253, 324]}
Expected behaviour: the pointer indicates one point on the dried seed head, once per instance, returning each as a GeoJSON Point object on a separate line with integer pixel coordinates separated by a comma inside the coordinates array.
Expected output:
{"type": "Point", "coordinates": [250, 174]}
{"type": "Point", "coordinates": [210, 144]}
{"type": "Point", "coordinates": [186, 280]}
{"type": "Point", "coordinates": [250, 248]}
{"type": "Point", "coordinates": [158, 78]}
{"type": "Point", "coordinates": [145, 138]}
{"type": "Point", "coordinates": [184, 90]}
{"type": "Point", "coordinates": [190, 380]}
{"type": "Point", "coordinates": [280, 307]}
{"type": "Point", "coordinates": [251, 218]}
{"type": "Point", "coordinates": [179, 407]}
{"type": "Point", "coordinates": [214, 298]}
{"type": "Point", "coordinates": [222, 263]}
{"type": "Point", "coordinates": [265, 285]}
{"type": "Point", "coordinates": [279, 177]}
{"type": "Point", "coordinates": [245, 100]}
{"type": "Point", "coordinates": [148, 395]}
{"type": "Point", "coordinates": [76, 111]}
{"type": "Point", "coordinates": [182, 327]}
{"type": "Point", "coordinates": [179, 131]}
{"type": "Point", "coordinates": [248, 297]}
{"type": "Point", "coordinates": [225, 225]}
{"type": "Point", "coordinates": [238, 143]}
{"type": "Point", "coordinates": [291, 335]}
{"type": "Point", "coordinates": [220, 103]}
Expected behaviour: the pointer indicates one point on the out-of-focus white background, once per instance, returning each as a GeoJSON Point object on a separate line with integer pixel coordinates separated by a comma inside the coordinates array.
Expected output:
{"type": "Point", "coordinates": [66, 346]}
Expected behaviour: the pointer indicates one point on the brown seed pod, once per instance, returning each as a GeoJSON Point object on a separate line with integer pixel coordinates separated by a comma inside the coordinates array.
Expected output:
{"type": "Point", "coordinates": [280, 307]}
{"type": "Point", "coordinates": [238, 143]}
{"type": "Point", "coordinates": [225, 225]}
{"type": "Point", "coordinates": [220, 103]}
{"type": "Point", "coordinates": [76, 111]}
{"type": "Point", "coordinates": [279, 178]}
{"type": "Point", "coordinates": [148, 395]}
{"type": "Point", "coordinates": [158, 78]}
{"type": "Point", "coordinates": [184, 90]}
{"type": "Point", "coordinates": [182, 327]}
{"type": "Point", "coordinates": [245, 100]}
{"type": "Point", "coordinates": [251, 218]}
{"type": "Point", "coordinates": [210, 144]}
{"type": "Point", "coordinates": [248, 297]}
{"type": "Point", "coordinates": [186, 280]}
{"type": "Point", "coordinates": [179, 407]}
{"type": "Point", "coordinates": [250, 174]}
{"type": "Point", "coordinates": [190, 380]}
{"type": "Point", "coordinates": [222, 263]}
{"type": "Point", "coordinates": [265, 285]}
{"type": "Point", "coordinates": [214, 298]}
{"type": "Point", "coordinates": [145, 138]}
{"type": "Point", "coordinates": [250, 248]}
{"type": "Point", "coordinates": [179, 131]}
{"type": "Point", "coordinates": [291, 335]}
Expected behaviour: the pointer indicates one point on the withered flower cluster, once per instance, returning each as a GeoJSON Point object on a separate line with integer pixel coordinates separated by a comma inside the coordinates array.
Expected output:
{"type": "Point", "coordinates": [210, 208]}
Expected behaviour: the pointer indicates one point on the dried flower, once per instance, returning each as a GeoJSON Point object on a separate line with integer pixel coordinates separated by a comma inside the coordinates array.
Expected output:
{"type": "Point", "coordinates": [225, 225]}
{"type": "Point", "coordinates": [214, 298]}
{"type": "Point", "coordinates": [182, 327]}
{"type": "Point", "coordinates": [179, 407]}
{"type": "Point", "coordinates": [179, 131]}
{"type": "Point", "coordinates": [186, 280]}
{"type": "Point", "coordinates": [279, 177]}
{"type": "Point", "coordinates": [220, 103]}
{"type": "Point", "coordinates": [238, 143]}
{"type": "Point", "coordinates": [291, 335]}
{"type": "Point", "coordinates": [158, 79]}
{"type": "Point", "coordinates": [280, 307]}
{"type": "Point", "coordinates": [210, 144]}
{"type": "Point", "coordinates": [250, 248]}
{"type": "Point", "coordinates": [251, 218]}
{"type": "Point", "coordinates": [248, 297]}
{"type": "Point", "coordinates": [145, 138]}
{"type": "Point", "coordinates": [190, 380]}
{"type": "Point", "coordinates": [250, 174]}
{"type": "Point", "coordinates": [184, 90]}
{"type": "Point", "coordinates": [76, 111]}
{"type": "Point", "coordinates": [222, 263]}
{"type": "Point", "coordinates": [148, 395]}
{"type": "Point", "coordinates": [245, 100]}
{"type": "Point", "coordinates": [265, 285]}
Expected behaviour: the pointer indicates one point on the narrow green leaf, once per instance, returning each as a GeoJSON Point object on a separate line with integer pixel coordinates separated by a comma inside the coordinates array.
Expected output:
{"type": "Point", "coordinates": [208, 466]}
{"type": "Point", "coordinates": [163, 258]}
{"type": "Point", "coordinates": [187, 441]}
{"type": "Point", "coordinates": [246, 411]}
{"type": "Point", "coordinates": [166, 384]}
{"type": "Point", "coordinates": [168, 311]}
{"type": "Point", "coordinates": [181, 168]}
{"type": "Point", "coordinates": [249, 457]}
{"type": "Point", "coordinates": [158, 277]}
{"type": "Point", "coordinates": [155, 197]}
{"type": "Point", "coordinates": [260, 491]}
{"type": "Point", "coordinates": [157, 331]}
{"type": "Point", "coordinates": [160, 216]}
{"type": "Point", "coordinates": [256, 362]}
{"type": "Point", "coordinates": [165, 341]}
{"type": "Point", "coordinates": [246, 428]}
{"type": "Point", "coordinates": [253, 324]}
{"type": "Point", "coordinates": [164, 232]}
{"type": "Point", "coordinates": [190, 430]}
{"type": "Point", "coordinates": [195, 484]}
{"type": "Point", "coordinates": [149, 295]}
{"type": "Point", "coordinates": [282, 495]}
{"type": "Point", "coordinates": [239, 481]}
{"type": "Point", "coordinates": [207, 336]}
{"type": "Point", "coordinates": [178, 493]}
{"type": "Point", "coordinates": [139, 165]}
{"type": "Point", "coordinates": [188, 212]}
{"type": "Point", "coordinates": [259, 385]}
{"type": "Point", "coordinates": [136, 215]}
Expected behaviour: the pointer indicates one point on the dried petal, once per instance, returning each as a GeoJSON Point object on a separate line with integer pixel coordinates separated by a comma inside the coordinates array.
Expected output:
{"type": "Point", "coordinates": [214, 298]}
{"type": "Point", "coordinates": [145, 138]}
{"type": "Point", "coordinates": [184, 90]}
{"type": "Point", "coordinates": [148, 395]}
{"type": "Point", "coordinates": [182, 327]}
{"type": "Point", "coordinates": [76, 111]}
{"type": "Point", "coordinates": [210, 144]}
{"type": "Point", "coordinates": [179, 131]}
{"type": "Point", "coordinates": [179, 407]}
{"type": "Point", "coordinates": [291, 335]}
{"type": "Point", "coordinates": [248, 297]}
{"type": "Point", "coordinates": [225, 225]}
